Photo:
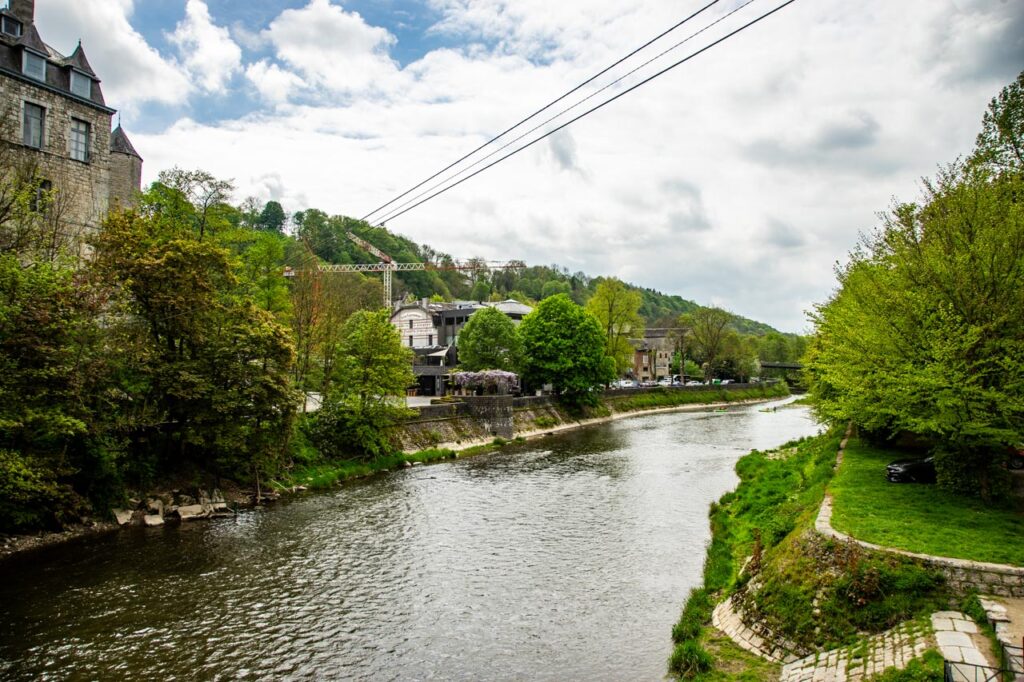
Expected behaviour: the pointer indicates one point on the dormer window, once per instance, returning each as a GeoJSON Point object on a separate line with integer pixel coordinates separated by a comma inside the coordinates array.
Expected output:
{"type": "Point", "coordinates": [10, 26]}
{"type": "Point", "coordinates": [81, 84]}
{"type": "Point", "coordinates": [33, 66]}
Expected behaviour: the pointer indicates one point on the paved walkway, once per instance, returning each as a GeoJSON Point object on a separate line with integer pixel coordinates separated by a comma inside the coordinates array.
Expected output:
{"type": "Point", "coordinates": [893, 648]}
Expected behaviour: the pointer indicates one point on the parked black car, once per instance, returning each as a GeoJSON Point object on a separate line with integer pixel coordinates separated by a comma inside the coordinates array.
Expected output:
{"type": "Point", "coordinates": [912, 471]}
{"type": "Point", "coordinates": [1016, 459]}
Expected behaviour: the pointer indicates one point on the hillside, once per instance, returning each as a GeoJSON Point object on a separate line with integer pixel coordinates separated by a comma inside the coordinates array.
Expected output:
{"type": "Point", "coordinates": [325, 235]}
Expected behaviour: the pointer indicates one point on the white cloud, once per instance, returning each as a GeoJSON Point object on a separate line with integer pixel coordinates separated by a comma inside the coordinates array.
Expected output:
{"type": "Point", "coordinates": [132, 71]}
{"type": "Point", "coordinates": [274, 83]}
{"type": "Point", "coordinates": [739, 178]}
{"type": "Point", "coordinates": [332, 48]}
{"type": "Point", "coordinates": [206, 50]}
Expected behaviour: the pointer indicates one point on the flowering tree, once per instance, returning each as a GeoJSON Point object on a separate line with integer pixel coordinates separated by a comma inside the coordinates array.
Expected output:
{"type": "Point", "coordinates": [490, 380]}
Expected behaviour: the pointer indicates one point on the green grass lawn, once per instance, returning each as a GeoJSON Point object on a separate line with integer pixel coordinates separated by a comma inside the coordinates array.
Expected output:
{"type": "Point", "coordinates": [919, 518]}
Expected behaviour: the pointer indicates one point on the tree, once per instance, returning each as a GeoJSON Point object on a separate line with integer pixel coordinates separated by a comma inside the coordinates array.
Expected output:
{"type": "Point", "coordinates": [616, 308]}
{"type": "Point", "coordinates": [554, 287]}
{"type": "Point", "coordinates": [707, 332]}
{"type": "Point", "coordinates": [563, 345]}
{"type": "Point", "coordinates": [489, 341]}
{"type": "Point", "coordinates": [1000, 144]}
{"type": "Point", "coordinates": [214, 366]}
{"type": "Point", "coordinates": [367, 397]}
{"type": "Point", "coordinates": [925, 334]}
{"type": "Point", "coordinates": [481, 290]}
{"type": "Point", "coordinates": [272, 218]}
{"type": "Point", "coordinates": [207, 194]}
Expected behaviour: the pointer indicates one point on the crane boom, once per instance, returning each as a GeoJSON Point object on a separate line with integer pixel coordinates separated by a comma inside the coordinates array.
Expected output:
{"type": "Point", "coordinates": [388, 265]}
{"type": "Point", "coordinates": [368, 247]}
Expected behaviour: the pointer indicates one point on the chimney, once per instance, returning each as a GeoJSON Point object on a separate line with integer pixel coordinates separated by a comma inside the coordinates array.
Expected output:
{"type": "Point", "coordinates": [24, 10]}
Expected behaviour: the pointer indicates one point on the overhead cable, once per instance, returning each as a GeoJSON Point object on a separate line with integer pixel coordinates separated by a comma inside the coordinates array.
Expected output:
{"type": "Point", "coordinates": [599, 106]}
{"type": "Point", "coordinates": [545, 107]}
{"type": "Point", "coordinates": [561, 113]}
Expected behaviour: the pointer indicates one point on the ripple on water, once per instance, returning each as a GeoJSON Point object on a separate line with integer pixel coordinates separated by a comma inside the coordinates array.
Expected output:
{"type": "Point", "coordinates": [568, 559]}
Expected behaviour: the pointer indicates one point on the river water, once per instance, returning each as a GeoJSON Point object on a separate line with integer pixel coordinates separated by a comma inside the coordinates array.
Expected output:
{"type": "Point", "coordinates": [566, 558]}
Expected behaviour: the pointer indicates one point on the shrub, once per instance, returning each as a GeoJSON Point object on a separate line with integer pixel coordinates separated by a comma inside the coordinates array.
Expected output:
{"type": "Point", "coordinates": [689, 659]}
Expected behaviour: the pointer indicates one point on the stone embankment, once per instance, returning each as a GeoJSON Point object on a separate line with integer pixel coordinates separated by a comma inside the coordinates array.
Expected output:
{"type": "Point", "coordinates": [961, 574]}
{"type": "Point", "coordinates": [173, 506]}
{"type": "Point", "coordinates": [461, 422]}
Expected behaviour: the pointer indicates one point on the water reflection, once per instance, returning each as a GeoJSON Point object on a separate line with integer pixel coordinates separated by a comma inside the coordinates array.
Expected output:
{"type": "Point", "coordinates": [567, 558]}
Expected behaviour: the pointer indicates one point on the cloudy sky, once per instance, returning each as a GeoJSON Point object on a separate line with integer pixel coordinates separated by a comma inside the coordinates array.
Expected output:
{"type": "Point", "coordinates": [737, 179]}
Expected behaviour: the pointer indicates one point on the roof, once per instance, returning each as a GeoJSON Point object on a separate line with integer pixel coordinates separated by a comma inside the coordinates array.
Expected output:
{"type": "Point", "coordinates": [120, 143]}
{"type": "Point", "coordinates": [79, 61]}
{"type": "Point", "coordinates": [513, 307]}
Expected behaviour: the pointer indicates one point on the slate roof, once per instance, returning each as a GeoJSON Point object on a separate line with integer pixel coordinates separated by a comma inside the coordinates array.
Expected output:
{"type": "Point", "coordinates": [120, 143]}
{"type": "Point", "coordinates": [80, 62]}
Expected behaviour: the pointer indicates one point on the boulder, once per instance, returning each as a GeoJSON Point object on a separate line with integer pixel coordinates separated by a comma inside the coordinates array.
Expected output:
{"type": "Point", "coordinates": [155, 505]}
{"type": "Point", "coordinates": [122, 516]}
{"type": "Point", "coordinates": [192, 511]}
{"type": "Point", "coordinates": [216, 496]}
{"type": "Point", "coordinates": [153, 520]}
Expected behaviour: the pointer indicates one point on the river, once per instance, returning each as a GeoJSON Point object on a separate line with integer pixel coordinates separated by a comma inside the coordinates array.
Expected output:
{"type": "Point", "coordinates": [566, 558]}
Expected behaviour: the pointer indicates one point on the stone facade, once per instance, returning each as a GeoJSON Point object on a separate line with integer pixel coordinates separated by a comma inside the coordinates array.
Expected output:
{"type": "Point", "coordinates": [57, 122]}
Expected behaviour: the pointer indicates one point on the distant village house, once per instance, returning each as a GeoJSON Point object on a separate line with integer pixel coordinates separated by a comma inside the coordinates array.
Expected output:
{"type": "Point", "coordinates": [431, 330]}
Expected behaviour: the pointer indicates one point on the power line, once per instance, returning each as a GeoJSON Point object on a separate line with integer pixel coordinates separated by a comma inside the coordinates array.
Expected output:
{"type": "Point", "coordinates": [599, 106]}
{"type": "Point", "coordinates": [545, 107]}
{"type": "Point", "coordinates": [534, 129]}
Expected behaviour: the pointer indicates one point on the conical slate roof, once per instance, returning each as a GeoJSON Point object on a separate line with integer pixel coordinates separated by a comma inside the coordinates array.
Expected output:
{"type": "Point", "coordinates": [120, 143]}
{"type": "Point", "coordinates": [79, 61]}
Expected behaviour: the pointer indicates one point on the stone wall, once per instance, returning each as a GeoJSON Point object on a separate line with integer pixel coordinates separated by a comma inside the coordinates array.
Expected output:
{"type": "Point", "coordinates": [83, 188]}
{"type": "Point", "coordinates": [125, 179]}
{"type": "Point", "coordinates": [961, 574]}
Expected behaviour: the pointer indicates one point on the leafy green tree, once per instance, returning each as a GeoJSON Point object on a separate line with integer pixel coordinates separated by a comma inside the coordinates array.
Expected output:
{"type": "Point", "coordinates": [489, 341]}
{"type": "Point", "coordinates": [262, 273]}
{"type": "Point", "coordinates": [1000, 144]}
{"type": "Point", "coordinates": [616, 308]}
{"type": "Point", "coordinates": [925, 334]}
{"type": "Point", "coordinates": [773, 347]}
{"type": "Point", "coordinates": [367, 397]}
{"type": "Point", "coordinates": [555, 287]}
{"type": "Point", "coordinates": [481, 290]}
{"type": "Point", "coordinates": [563, 345]}
{"type": "Point", "coordinates": [207, 194]}
{"type": "Point", "coordinates": [213, 365]}
{"type": "Point", "coordinates": [272, 218]}
{"type": "Point", "coordinates": [708, 327]}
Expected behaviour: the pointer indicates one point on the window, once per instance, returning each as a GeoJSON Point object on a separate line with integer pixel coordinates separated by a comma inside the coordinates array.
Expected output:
{"type": "Point", "coordinates": [410, 324]}
{"type": "Point", "coordinates": [81, 84]}
{"type": "Point", "coordinates": [10, 26]}
{"type": "Point", "coordinates": [79, 140]}
{"type": "Point", "coordinates": [410, 342]}
{"type": "Point", "coordinates": [35, 121]}
{"type": "Point", "coordinates": [430, 339]}
{"type": "Point", "coordinates": [42, 196]}
{"type": "Point", "coordinates": [33, 66]}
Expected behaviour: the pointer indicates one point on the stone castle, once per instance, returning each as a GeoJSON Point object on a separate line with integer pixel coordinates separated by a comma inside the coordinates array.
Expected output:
{"type": "Point", "coordinates": [54, 115]}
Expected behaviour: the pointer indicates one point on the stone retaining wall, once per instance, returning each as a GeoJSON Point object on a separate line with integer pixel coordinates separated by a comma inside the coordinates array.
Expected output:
{"type": "Point", "coordinates": [962, 575]}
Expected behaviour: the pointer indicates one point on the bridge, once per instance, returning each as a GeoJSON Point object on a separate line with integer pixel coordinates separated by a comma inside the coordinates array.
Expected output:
{"type": "Point", "coordinates": [781, 365]}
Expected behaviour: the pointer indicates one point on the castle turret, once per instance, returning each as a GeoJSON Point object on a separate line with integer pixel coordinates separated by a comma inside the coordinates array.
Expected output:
{"type": "Point", "coordinates": [125, 170]}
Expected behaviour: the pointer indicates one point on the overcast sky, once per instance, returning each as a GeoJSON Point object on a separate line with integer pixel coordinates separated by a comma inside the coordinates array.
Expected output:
{"type": "Point", "coordinates": [738, 179]}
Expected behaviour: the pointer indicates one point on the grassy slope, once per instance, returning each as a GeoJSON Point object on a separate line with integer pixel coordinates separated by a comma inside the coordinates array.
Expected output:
{"type": "Point", "coordinates": [815, 592]}
{"type": "Point", "coordinates": [919, 518]}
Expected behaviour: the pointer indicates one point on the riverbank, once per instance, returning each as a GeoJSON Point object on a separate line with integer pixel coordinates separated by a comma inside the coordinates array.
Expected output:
{"type": "Point", "coordinates": [531, 423]}
{"type": "Point", "coordinates": [787, 593]}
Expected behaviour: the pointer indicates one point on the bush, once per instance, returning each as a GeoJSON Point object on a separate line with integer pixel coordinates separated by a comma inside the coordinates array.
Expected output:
{"type": "Point", "coordinates": [689, 659]}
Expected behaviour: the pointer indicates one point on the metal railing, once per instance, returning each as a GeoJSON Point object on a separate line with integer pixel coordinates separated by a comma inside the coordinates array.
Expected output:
{"type": "Point", "coordinates": [1013, 660]}
{"type": "Point", "coordinates": [968, 672]}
